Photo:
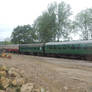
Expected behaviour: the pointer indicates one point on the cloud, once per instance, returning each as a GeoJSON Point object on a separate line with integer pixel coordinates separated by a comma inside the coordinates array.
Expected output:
{"type": "Point", "coordinates": [20, 12]}
{"type": "Point", "coordinates": [5, 31]}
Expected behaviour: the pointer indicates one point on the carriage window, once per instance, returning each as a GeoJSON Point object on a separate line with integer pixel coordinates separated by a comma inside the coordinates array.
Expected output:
{"type": "Point", "coordinates": [85, 47]}
{"type": "Point", "coordinates": [73, 47]}
{"type": "Point", "coordinates": [40, 48]}
{"type": "Point", "coordinates": [78, 47]}
{"type": "Point", "coordinates": [50, 47]}
{"type": "Point", "coordinates": [59, 47]}
{"type": "Point", "coordinates": [54, 47]}
{"type": "Point", "coordinates": [64, 47]}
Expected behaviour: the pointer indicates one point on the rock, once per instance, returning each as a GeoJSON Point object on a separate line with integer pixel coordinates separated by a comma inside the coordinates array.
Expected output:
{"type": "Point", "coordinates": [4, 82]}
{"type": "Point", "coordinates": [27, 87]}
{"type": "Point", "coordinates": [12, 80]}
{"type": "Point", "coordinates": [22, 73]}
{"type": "Point", "coordinates": [14, 83]}
{"type": "Point", "coordinates": [2, 73]}
{"type": "Point", "coordinates": [2, 91]}
{"type": "Point", "coordinates": [18, 81]}
{"type": "Point", "coordinates": [10, 90]}
{"type": "Point", "coordinates": [42, 90]}
{"type": "Point", "coordinates": [66, 88]}
{"type": "Point", "coordinates": [3, 68]}
{"type": "Point", "coordinates": [13, 72]}
{"type": "Point", "coordinates": [37, 90]}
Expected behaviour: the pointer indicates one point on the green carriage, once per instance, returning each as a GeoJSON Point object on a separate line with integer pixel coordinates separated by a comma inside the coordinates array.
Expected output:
{"type": "Point", "coordinates": [78, 48]}
{"type": "Point", "coordinates": [31, 48]}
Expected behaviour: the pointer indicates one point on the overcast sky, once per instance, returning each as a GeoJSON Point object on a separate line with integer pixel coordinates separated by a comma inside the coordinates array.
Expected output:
{"type": "Point", "coordinates": [20, 12]}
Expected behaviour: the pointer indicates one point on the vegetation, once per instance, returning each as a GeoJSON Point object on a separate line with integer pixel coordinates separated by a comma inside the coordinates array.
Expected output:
{"type": "Point", "coordinates": [55, 24]}
{"type": "Point", "coordinates": [84, 23]}
{"type": "Point", "coordinates": [23, 34]}
{"type": "Point", "coordinates": [46, 25]}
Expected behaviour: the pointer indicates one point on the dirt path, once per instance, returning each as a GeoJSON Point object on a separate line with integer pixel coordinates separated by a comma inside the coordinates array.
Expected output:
{"type": "Point", "coordinates": [57, 75]}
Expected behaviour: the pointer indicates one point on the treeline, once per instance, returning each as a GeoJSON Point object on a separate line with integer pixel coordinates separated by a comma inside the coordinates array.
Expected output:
{"type": "Point", "coordinates": [55, 24]}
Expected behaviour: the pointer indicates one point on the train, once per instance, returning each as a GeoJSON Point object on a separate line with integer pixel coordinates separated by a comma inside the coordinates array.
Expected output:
{"type": "Point", "coordinates": [79, 49]}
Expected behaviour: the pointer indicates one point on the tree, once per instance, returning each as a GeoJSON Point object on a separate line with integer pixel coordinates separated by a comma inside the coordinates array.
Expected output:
{"type": "Point", "coordinates": [23, 34]}
{"type": "Point", "coordinates": [7, 41]}
{"type": "Point", "coordinates": [63, 22]}
{"type": "Point", "coordinates": [46, 25]}
{"type": "Point", "coordinates": [84, 23]}
{"type": "Point", "coordinates": [54, 23]}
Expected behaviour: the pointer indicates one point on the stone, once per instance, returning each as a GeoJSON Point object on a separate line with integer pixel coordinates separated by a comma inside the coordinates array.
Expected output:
{"type": "Point", "coordinates": [2, 91]}
{"type": "Point", "coordinates": [42, 90]}
{"type": "Point", "coordinates": [12, 80]}
{"type": "Point", "coordinates": [27, 87]}
{"type": "Point", "coordinates": [65, 87]}
{"type": "Point", "coordinates": [36, 90]}
{"type": "Point", "coordinates": [18, 81]}
{"type": "Point", "coordinates": [10, 90]}
{"type": "Point", "coordinates": [13, 72]}
{"type": "Point", "coordinates": [2, 73]}
{"type": "Point", "coordinates": [3, 68]}
{"type": "Point", "coordinates": [4, 82]}
{"type": "Point", "coordinates": [22, 73]}
{"type": "Point", "coordinates": [14, 83]}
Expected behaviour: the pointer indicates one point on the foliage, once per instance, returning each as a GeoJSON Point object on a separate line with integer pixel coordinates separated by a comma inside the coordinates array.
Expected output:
{"type": "Point", "coordinates": [5, 42]}
{"type": "Point", "coordinates": [84, 23]}
{"type": "Point", "coordinates": [54, 23]}
{"type": "Point", "coordinates": [46, 25]}
{"type": "Point", "coordinates": [63, 27]}
{"type": "Point", "coordinates": [23, 34]}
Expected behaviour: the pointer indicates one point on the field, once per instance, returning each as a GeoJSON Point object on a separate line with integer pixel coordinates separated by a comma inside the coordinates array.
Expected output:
{"type": "Point", "coordinates": [55, 74]}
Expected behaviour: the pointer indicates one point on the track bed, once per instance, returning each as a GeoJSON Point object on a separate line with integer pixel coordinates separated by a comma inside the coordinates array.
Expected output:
{"type": "Point", "coordinates": [57, 75]}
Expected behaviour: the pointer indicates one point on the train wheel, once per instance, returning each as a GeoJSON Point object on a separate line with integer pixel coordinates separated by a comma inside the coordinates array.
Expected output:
{"type": "Point", "coordinates": [89, 58]}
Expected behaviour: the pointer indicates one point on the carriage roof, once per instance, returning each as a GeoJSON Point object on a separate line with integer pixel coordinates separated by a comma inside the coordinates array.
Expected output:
{"type": "Point", "coordinates": [32, 45]}
{"type": "Point", "coordinates": [70, 42]}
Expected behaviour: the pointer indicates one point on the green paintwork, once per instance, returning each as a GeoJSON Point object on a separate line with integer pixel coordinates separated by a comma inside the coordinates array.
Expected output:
{"type": "Point", "coordinates": [82, 48]}
{"type": "Point", "coordinates": [75, 49]}
{"type": "Point", "coordinates": [30, 49]}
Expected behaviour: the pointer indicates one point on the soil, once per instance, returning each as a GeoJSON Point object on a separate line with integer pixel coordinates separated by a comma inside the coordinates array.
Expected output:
{"type": "Point", "coordinates": [55, 74]}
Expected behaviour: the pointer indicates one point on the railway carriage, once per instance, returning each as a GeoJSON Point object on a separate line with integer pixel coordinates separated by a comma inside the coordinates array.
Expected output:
{"type": "Point", "coordinates": [12, 48]}
{"type": "Point", "coordinates": [35, 49]}
{"type": "Point", "coordinates": [2, 47]}
{"type": "Point", "coordinates": [81, 49]}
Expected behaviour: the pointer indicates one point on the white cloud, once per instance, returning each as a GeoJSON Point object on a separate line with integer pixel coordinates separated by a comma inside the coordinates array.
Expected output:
{"type": "Point", "coordinates": [20, 12]}
{"type": "Point", "coordinates": [78, 5]}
